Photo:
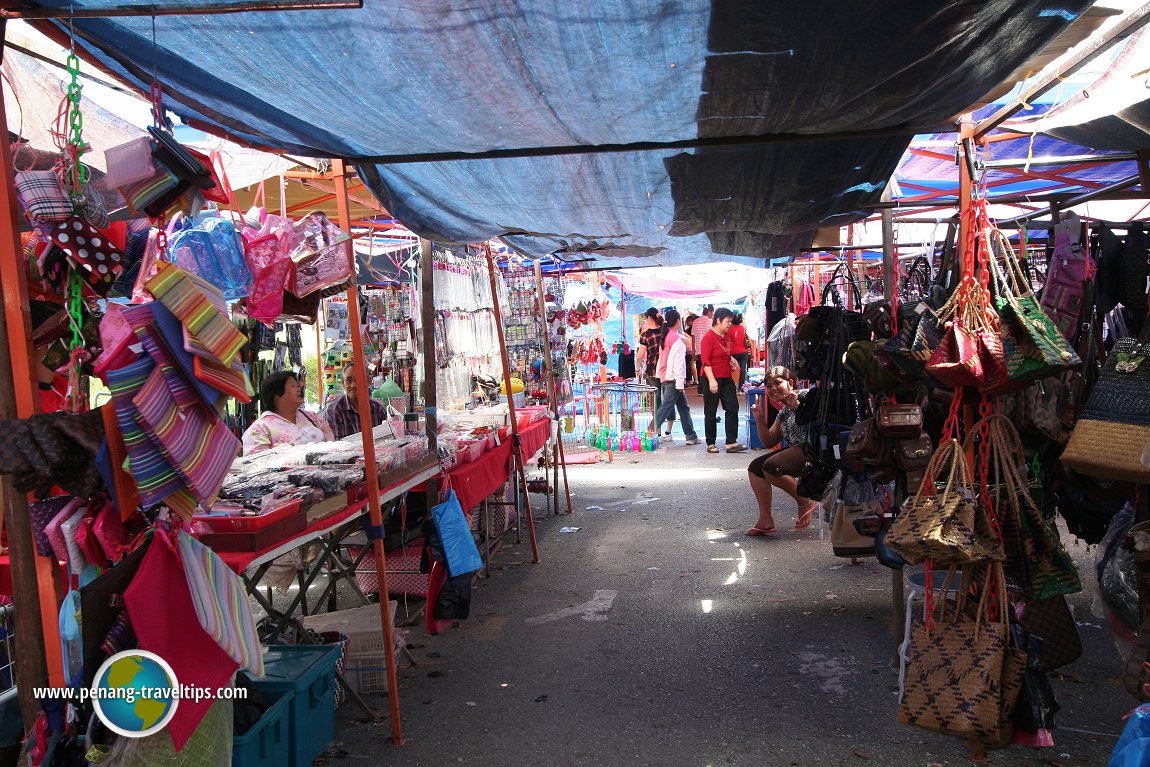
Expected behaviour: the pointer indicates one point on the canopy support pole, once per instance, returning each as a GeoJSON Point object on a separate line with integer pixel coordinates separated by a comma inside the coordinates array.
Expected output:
{"type": "Point", "coordinates": [33, 576]}
{"type": "Point", "coordinates": [371, 466]}
{"type": "Point", "coordinates": [558, 456]}
{"type": "Point", "coordinates": [516, 445]}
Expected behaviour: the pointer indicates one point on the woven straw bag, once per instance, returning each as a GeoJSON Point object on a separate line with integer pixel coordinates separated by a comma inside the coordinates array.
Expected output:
{"type": "Point", "coordinates": [963, 676]}
{"type": "Point", "coordinates": [944, 525]}
{"type": "Point", "coordinates": [1114, 427]}
{"type": "Point", "coordinates": [1033, 345]}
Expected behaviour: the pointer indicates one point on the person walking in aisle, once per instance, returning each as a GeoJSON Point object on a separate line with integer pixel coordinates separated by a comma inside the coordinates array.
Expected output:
{"type": "Point", "coordinates": [779, 468]}
{"type": "Point", "coordinates": [649, 335]}
{"type": "Point", "coordinates": [699, 329]}
{"type": "Point", "coordinates": [715, 356]}
{"type": "Point", "coordinates": [689, 342]}
{"type": "Point", "coordinates": [672, 371]}
{"type": "Point", "coordinates": [740, 350]}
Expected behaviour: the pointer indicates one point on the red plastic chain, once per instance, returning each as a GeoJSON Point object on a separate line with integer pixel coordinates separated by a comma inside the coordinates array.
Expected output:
{"type": "Point", "coordinates": [896, 275]}
{"type": "Point", "coordinates": [953, 426]}
{"type": "Point", "coordinates": [157, 95]}
{"type": "Point", "coordinates": [161, 237]}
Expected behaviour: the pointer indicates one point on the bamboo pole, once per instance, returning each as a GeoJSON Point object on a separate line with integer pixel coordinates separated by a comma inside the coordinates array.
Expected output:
{"type": "Point", "coordinates": [560, 456]}
{"type": "Point", "coordinates": [516, 445]}
{"type": "Point", "coordinates": [371, 465]}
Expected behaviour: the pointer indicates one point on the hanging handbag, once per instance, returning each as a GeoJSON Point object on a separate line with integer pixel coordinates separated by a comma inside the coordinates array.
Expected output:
{"type": "Point", "coordinates": [1064, 287]}
{"type": "Point", "coordinates": [1132, 268]}
{"type": "Point", "coordinates": [963, 675]}
{"type": "Point", "coordinates": [1033, 345]}
{"type": "Point", "coordinates": [913, 455]}
{"type": "Point", "coordinates": [895, 421]}
{"type": "Point", "coordinates": [944, 525]}
{"type": "Point", "coordinates": [1050, 570]}
{"type": "Point", "coordinates": [1051, 619]}
{"type": "Point", "coordinates": [846, 540]}
{"type": "Point", "coordinates": [211, 250]}
{"type": "Point", "coordinates": [1114, 426]}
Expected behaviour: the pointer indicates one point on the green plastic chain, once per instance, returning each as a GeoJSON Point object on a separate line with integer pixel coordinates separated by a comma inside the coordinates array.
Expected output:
{"type": "Point", "coordinates": [76, 309]}
{"type": "Point", "coordinates": [76, 120]}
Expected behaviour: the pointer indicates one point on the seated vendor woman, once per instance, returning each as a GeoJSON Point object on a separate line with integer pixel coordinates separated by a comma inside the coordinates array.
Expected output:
{"type": "Point", "coordinates": [781, 467]}
{"type": "Point", "coordinates": [284, 421]}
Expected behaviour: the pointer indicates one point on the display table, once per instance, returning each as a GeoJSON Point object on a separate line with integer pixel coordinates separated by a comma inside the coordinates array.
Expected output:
{"type": "Point", "coordinates": [244, 560]}
{"type": "Point", "coordinates": [474, 481]}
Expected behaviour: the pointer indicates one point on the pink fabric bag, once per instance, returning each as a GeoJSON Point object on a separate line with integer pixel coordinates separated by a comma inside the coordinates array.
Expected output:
{"type": "Point", "coordinates": [56, 534]}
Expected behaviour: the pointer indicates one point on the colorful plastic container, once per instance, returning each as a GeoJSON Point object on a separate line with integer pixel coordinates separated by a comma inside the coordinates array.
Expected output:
{"type": "Point", "coordinates": [307, 671]}
{"type": "Point", "coordinates": [267, 743]}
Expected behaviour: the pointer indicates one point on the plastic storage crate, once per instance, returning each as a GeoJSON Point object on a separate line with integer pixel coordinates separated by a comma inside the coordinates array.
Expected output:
{"type": "Point", "coordinates": [307, 671]}
{"type": "Point", "coordinates": [753, 397]}
{"type": "Point", "coordinates": [753, 441]}
{"type": "Point", "coordinates": [366, 668]}
{"type": "Point", "coordinates": [268, 742]}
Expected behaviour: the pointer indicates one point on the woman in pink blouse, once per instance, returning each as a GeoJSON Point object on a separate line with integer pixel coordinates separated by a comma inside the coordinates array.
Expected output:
{"type": "Point", "coordinates": [284, 421]}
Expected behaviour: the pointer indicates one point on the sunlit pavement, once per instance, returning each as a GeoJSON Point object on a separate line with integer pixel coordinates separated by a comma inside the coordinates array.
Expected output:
{"type": "Point", "coordinates": [658, 634]}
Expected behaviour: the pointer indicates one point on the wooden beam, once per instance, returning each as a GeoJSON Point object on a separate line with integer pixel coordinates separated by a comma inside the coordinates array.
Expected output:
{"type": "Point", "coordinates": [202, 9]}
{"type": "Point", "coordinates": [33, 576]}
{"type": "Point", "coordinates": [1132, 23]}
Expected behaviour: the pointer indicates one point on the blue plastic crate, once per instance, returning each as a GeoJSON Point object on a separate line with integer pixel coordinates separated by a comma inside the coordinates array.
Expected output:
{"type": "Point", "coordinates": [753, 396]}
{"type": "Point", "coordinates": [267, 743]}
{"type": "Point", "coordinates": [308, 671]}
{"type": "Point", "coordinates": [753, 441]}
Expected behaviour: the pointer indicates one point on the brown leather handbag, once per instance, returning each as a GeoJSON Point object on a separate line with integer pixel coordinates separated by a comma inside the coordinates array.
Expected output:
{"type": "Point", "coordinates": [914, 454]}
{"type": "Point", "coordinates": [896, 421]}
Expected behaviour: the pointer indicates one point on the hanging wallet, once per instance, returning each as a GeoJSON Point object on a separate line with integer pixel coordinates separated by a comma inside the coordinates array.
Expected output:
{"type": "Point", "coordinates": [897, 421]}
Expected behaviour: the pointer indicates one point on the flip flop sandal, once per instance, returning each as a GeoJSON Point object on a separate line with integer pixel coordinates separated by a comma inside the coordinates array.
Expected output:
{"type": "Point", "coordinates": [712, 449]}
{"type": "Point", "coordinates": [803, 521]}
{"type": "Point", "coordinates": [758, 531]}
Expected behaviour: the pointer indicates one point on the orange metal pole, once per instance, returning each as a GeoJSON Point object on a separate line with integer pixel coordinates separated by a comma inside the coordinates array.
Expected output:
{"type": "Point", "coordinates": [26, 399]}
{"type": "Point", "coordinates": [516, 445]}
{"type": "Point", "coordinates": [371, 465]}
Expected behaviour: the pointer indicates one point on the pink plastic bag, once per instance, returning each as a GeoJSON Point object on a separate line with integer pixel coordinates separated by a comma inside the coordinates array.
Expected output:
{"type": "Point", "coordinates": [270, 268]}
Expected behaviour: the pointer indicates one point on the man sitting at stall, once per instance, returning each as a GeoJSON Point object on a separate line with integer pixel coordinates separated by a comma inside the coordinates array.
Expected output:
{"type": "Point", "coordinates": [343, 411]}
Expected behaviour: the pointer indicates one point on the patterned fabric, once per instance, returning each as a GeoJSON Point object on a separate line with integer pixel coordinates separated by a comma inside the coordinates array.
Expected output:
{"type": "Point", "coordinates": [195, 441]}
{"type": "Point", "coordinates": [791, 432]}
{"type": "Point", "coordinates": [272, 430]}
{"type": "Point", "coordinates": [42, 196]}
{"type": "Point", "coordinates": [650, 339]}
{"type": "Point", "coordinates": [344, 419]}
{"type": "Point", "coordinates": [157, 481]}
{"type": "Point", "coordinates": [97, 260]}
{"type": "Point", "coordinates": [699, 328]}
{"type": "Point", "coordinates": [201, 309]}
{"type": "Point", "coordinates": [221, 604]}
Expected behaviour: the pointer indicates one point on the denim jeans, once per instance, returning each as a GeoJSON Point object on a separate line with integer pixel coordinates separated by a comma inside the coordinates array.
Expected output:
{"type": "Point", "coordinates": [675, 399]}
{"type": "Point", "coordinates": [730, 401]}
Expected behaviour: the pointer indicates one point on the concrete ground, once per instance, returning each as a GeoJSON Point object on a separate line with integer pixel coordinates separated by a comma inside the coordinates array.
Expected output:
{"type": "Point", "coordinates": [658, 634]}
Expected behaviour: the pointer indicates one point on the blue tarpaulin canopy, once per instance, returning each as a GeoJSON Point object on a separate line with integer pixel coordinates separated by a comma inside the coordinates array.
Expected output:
{"type": "Point", "coordinates": [845, 87]}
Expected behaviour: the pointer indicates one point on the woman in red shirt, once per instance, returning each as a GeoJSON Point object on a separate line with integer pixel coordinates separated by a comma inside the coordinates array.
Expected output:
{"type": "Point", "coordinates": [740, 350]}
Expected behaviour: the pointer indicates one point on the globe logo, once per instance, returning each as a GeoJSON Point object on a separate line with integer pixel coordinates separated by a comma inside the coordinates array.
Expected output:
{"type": "Point", "coordinates": [135, 693]}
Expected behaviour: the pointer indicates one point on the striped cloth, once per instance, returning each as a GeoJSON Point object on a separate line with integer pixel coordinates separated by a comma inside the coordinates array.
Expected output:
{"type": "Point", "coordinates": [221, 604]}
{"type": "Point", "coordinates": [157, 481]}
{"type": "Point", "coordinates": [142, 320]}
{"type": "Point", "coordinates": [193, 440]}
{"type": "Point", "coordinates": [168, 326]}
{"type": "Point", "coordinates": [202, 310]}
